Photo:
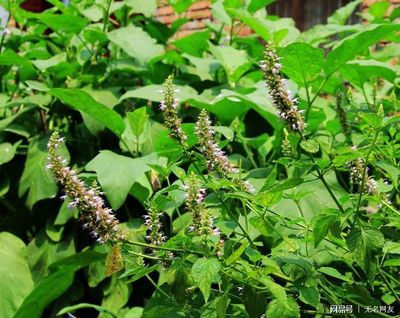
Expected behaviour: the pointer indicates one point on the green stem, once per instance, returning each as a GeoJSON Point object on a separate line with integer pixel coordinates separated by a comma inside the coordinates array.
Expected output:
{"type": "Point", "coordinates": [163, 248]}
{"type": "Point", "coordinates": [363, 178]}
{"type": "Point", "coordinates": [387, 283]}
{"type": "Point", "coordinates": [106, 14]}
{"type": "Point", "coordinates": [248, 152]}
{"type": "Point", "coordinates": [157, 287]}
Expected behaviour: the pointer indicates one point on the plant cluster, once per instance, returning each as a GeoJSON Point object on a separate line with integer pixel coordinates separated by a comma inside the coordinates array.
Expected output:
{"type": "Point", "coordinates": [145, 174]}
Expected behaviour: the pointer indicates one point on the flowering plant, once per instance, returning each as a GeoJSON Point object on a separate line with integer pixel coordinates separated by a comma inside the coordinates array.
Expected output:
{"type": "Point", "coordinates": [259, 180]}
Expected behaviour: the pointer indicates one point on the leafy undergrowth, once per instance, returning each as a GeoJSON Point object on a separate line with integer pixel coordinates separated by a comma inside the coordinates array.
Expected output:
{"type": "Point", "coordinates": [257, 181]}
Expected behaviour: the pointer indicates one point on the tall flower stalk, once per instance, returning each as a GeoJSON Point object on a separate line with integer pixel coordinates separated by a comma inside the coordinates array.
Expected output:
{"type": "Point", "coordinates": [153, 224]}
{"type": "Point", "coordinates": [202, 222]}
{"type": "Point", "coordinates": [169, 108]}
{"type": "Point", "coordinates": [284, 102]}
{"type": "Point", "coordinates": [359, 177]}
{"type": "Point", "coordinates": [216, 159]}
{"type": "Point", "coordinates": [96, 217]}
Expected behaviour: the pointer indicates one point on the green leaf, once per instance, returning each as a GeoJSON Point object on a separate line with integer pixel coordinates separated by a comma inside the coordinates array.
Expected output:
{"type": "Point", "coordinates": [391, 170]}
{"type": "Point", "coordinates": [146, 7]}
{"type": "Point", "coordinates": [15, 275]}
{"type": "Point", "coordinates": [137, 120]}
{"type": "Point", "coordinates": [42, 65]}
{"type": "Point", "coordinates": [63, 23]}
{"type": "Point", "coordinates": [217, 308]}
{"type": "Point", "coordinates": [287, 184]}
{"type": "Point", "coordinates": [136, 43]}
{"type": "Point", "coordinates": [235, 62]}
{"type": "Point", "coordinates": [36, 178]}
{"type": "Point", "coordinates": [359, 72]}
{"type": "Point", "coordinates": [333, 272]}
{"type": "Point", "coordinates": [256, 5]}
{"type": "Point", "coordinates": [260, 26]}
{"type": "Point", "coordinates": [55, 284]}
{"type": "Point", "coordinates": [341, 15]}
{"type": "Point", "coordinates": [379, 9]}
{"type": "Point", "coordinates": [155, 93]}
{"type": "Point", "coordinates": [262, 225]}
{"type": "Point", "coordinates": [193, 44]}
{"type": "Point", "coordinates": [254, 301]}
{"type": "Point", "coordinates": [236, 254]}
{"type": "Point", "coordinates": [321, 224]}
{"type": "Point", "coordinates": [178, 277]}
{"type": "Point", "coordinates": [181, 6]}
{"type": "Point", "coordinates": [310, 145]}
{"type": "Point", "coordinates": [364, 242]}
{"type": "Point", "coordinates": [372, 119]}
{"type": "Point", "coordinates": [117, 174]}
{"type": "Point", "coordinates": [137, 273]}
{"type": "Point", "coordinates": [302, 62]}
{"type": "Point", "coordinates": [7, 152]}
{"type": "Point", "coordinates": [353, 45]}
{"type": "Point", "coordinates": [275, 309]}
{"type": "Point", "coordinates": [205, 272]}
{"type": "Point", "coordinates": [276, 290]}
{"type": "Point", "coordinates": [392, 262]}
{"type": "Point", "coordinates": [310, 295]}
{"type": "Point", "coordinates": [83, 102]}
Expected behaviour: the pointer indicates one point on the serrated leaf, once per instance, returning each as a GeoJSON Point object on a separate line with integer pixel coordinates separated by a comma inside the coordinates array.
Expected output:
{"type": "Point", "coordinates": [275, 309]}
{"type": "Point", "coordinates": [364, 242]}
{"type": "Point", "coordinates": [205, 272]}
{"type": "Point", "coordinates": [310, 295]}
{"type": "Point", "coordinates": [321, 224]}
{"type": "Point", "coordinates": [310, 145]}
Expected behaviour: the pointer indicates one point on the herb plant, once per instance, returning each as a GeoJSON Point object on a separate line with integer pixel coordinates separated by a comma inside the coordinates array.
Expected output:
{"type": "Point", "coordinates": [212, 176]}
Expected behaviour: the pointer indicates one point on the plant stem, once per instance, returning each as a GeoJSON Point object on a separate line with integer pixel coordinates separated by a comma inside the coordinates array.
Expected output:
{"type": "Point", "coordinates": [163, 248]}
{"type": "Point", "coordinates": [363, 178]}
{"type": "Point", "coordinates": [387, 283]}
{"type": "Point", "coordinates": [106, 14]}
{"type": "Point", "coordinates": [248, 152]}
{"type": "Point", "coordinates": [157, 287]}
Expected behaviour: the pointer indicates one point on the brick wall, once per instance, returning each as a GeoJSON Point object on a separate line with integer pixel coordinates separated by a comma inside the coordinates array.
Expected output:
{"type": "Point", "coordinates": [198, 14]}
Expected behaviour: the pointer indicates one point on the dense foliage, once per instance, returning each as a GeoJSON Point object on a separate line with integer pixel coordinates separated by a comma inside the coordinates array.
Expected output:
{"type": "Point", "coordinates": [245, 180]}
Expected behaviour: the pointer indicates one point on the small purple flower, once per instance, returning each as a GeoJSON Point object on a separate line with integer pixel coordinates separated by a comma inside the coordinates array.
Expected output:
{"type": "Point", "coordinates": [283, 99]}
{"type": "Point", "coordinates": [97, 218]}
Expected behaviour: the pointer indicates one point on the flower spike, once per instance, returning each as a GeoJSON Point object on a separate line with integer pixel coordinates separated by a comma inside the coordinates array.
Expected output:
{"type": "Point", "coordinates": [169, 108]}
{"type": "Point", "coordinates": [284, 102]}
{"type": "Point", "coordinates": [97, 218]}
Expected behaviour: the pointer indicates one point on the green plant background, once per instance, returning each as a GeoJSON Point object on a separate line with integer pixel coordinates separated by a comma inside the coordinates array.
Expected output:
{"type": "Point", "coordinates": [93, 70]}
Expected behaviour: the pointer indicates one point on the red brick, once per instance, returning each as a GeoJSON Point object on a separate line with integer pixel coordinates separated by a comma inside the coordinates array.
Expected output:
{"type": "Point", "coordinates": [200, 5]}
